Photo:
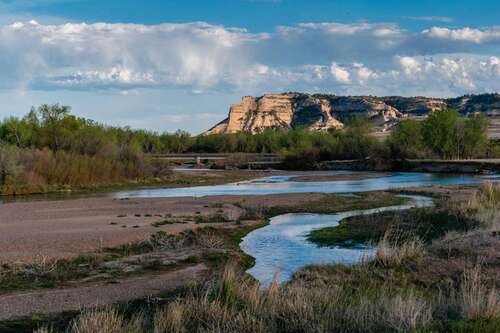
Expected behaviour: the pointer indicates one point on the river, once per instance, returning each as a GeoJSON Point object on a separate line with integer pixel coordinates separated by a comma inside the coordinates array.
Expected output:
{"type": "Point", "coordinates": [282, 246]}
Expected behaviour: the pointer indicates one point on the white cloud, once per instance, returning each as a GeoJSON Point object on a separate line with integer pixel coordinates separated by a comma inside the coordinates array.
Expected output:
{"type": "Point", "coordinates": [379, 58]}
{"type": "Point", "coordinates": [340, 74]}
{"type": "Point", "coordinates": [410, 66]}
{"type": "Point", "coordinates": [444, 19]}
{"type": "Point", "coordinates": [465, 34]}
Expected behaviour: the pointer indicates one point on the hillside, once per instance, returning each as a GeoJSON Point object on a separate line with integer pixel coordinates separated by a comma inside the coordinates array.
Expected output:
{"type": "Point", "coordinates": [324, 112]}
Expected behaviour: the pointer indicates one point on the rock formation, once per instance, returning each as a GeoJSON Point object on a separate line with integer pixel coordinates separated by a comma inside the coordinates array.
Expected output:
{"type": "Point", "coordinates": [324, 112]}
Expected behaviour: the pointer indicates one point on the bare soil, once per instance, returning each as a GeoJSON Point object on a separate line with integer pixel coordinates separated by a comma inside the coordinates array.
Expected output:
{"type": "Point", "coordinates": [31, 231]}
{"type": "Point", "coordinates": [55, 301]}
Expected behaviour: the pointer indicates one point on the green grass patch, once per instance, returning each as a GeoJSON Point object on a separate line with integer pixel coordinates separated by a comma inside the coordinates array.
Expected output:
{"type": "Point", "coordinates": [424, 223]}
{"type": "Point", "coordinates": [334, 203]}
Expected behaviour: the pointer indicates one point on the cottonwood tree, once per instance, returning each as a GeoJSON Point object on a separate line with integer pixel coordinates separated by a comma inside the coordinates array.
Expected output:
{"type": "Point", "coordinates": [52, 117]}
{"type": "Point", "coordinates": [10, 165]}
{"type": "Point", "coordinates": [439, 132]}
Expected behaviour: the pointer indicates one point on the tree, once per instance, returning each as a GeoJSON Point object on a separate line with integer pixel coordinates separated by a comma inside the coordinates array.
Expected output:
{"type": "Point", "coordinates": [406, 141]}
{"type": "Point", "coordinates": [475, 137]}
{"type": "Point", "coordinates": [439, 132]}
{"type": "Point", "coordinates": [52, 117]}
{"type": "Point", "coordinates": [10, 164]}
{"type": "Point", "coordinates": [17, 132]}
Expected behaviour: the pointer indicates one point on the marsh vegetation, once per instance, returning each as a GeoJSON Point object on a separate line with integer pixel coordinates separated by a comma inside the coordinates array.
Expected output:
{"type": "Point", "coordinates": [438, 281]}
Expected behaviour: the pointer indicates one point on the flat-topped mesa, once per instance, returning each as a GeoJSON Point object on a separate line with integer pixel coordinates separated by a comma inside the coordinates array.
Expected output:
{"type": "Point", "coordinates": [292, 110]}
{"type": "Point", "coordinates": [324, 112]}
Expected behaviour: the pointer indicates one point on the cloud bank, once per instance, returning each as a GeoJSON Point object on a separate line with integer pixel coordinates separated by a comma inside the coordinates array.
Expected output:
{"type": "Point", "coordinates": [358, 58]}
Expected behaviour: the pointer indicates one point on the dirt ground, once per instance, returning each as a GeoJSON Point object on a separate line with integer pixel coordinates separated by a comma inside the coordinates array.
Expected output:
{"type": "Point", "coordinates": [31, 231]}
{"type": "Point", "coordinates": [54, 301]}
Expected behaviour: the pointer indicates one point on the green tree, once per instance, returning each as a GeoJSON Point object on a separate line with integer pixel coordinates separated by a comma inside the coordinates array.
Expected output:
{"type": "Point", "coordinates": [439, 133]}
{"type": "Point", "coordinates": [475, 137]}
{"type": "Point", "coordinates": [52, 117]}
{"type": "Point", "coordinates": [406, 140]}
{"type": "Point", "coordinates": [10, 164]}
{"type": "Point", "coordinates": [17, 132]}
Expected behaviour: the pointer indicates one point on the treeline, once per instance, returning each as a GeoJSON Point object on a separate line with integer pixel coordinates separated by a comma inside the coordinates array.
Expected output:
{"type": "Point", "coordinates": [444, 134]}
{"type": "Point", "coordinates": [50, 148]}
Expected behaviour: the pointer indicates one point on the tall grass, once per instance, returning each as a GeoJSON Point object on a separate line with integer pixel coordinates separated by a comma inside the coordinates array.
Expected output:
{"type": "Point", "coordinates": [394, 250]}
{"type": "Point", "coordinates": [475, 299]}
{"type": "Point", "coordinates": [237, 304]}
{"type": "Point", "coordinates": [41, 171]}
{"type": "Point", "coordinates": [382, 295]}
{"type": "Point", "coordinates": [484, 205]}
{"type": "Point", "coordinates": [309, 303]}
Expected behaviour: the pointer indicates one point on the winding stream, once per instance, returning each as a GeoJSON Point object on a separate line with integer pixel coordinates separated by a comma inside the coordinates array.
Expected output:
{"type": "Point", "coordinates": [282, 246]}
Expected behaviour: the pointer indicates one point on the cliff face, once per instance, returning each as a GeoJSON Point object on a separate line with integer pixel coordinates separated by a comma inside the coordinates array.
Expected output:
{"type": "Point", "coordinates": [323, 112]}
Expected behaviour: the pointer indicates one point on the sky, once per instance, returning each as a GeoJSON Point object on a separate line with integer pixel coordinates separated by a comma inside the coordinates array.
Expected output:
{"type": "Point", "coordinates": [166, 65]}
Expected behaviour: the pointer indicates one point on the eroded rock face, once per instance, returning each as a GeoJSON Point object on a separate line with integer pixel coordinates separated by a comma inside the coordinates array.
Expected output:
{"type": "Point", "coordinates": [324, 112]}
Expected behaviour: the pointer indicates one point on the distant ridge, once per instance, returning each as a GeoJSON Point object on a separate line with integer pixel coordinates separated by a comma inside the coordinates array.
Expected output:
{"type": "Point", "coordinates": [324, 112]}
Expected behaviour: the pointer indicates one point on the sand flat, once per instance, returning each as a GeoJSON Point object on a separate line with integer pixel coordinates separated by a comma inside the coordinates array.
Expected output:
{"type": "Point", "coordinates": [30, 231]}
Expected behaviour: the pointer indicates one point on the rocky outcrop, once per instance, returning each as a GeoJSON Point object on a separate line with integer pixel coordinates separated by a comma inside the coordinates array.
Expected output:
{"type": "Point", "coordinates": [324, 112]}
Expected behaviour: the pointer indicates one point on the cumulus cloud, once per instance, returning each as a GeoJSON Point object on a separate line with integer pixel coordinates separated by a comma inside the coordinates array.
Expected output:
{"type": "Point", "coordinates": [444, 19]}
{"type": "Point", "coordinates": [465, 35]}
{"type": "Point", "coordinates": [340, 74]}
{"type": "Point", "coordinates": [379, 58]}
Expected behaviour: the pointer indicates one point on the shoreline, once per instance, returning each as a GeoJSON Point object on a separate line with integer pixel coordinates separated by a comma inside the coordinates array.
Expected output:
{"type": "Point", "coordinates": [228, 203]}
{"type": "Point", "coordinates": [201, 177]}
{"type": "Point", "coordinates": [487, 166]}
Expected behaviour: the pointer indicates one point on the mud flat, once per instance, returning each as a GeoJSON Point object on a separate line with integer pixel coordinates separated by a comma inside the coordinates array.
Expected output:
{"type": "Point", "coordinates": [30, 231]}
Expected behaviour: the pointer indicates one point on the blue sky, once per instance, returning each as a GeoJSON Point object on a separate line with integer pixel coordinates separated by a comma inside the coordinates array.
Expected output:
{"type": "Point", "coordinates": [264, 15]}
{"type": "Point", "coordinates": [165, 65]}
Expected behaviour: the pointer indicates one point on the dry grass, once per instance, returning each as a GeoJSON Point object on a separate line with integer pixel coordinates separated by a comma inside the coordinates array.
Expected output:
{"type": "Point", "coordinates": [237, 304]}
{"type": "Point", "coordinates": [476, 300]}
{"type": "Point", "coordinates": [170, 319]}
{"type": "Point", "coordinates": [488, 196]}
{"type": "Point", "coordinates": [484, 206]}
{"type": "Point", "coordinates": [406, 312]}
{"type": "Point", "coordinates": [107, 320]}
{"type": "Point", "coordinates": [210, 241]}
{"type": "Point", "coordinates": [395, 252]}
{"type": "Point", "coordinates": [382, 295]}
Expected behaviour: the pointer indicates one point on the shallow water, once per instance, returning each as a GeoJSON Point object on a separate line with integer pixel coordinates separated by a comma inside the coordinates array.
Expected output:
{"type": "Point", "coordinates": [282, 246]}
{"type": "Point", "coordinates": [285, 184]}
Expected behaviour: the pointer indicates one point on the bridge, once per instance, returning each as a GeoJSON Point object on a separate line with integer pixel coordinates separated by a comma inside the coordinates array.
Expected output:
{"type": "Point", "coordinates": [250, 159]}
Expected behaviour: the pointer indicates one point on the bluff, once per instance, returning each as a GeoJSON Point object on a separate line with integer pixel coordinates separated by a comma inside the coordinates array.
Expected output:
{"type": "Point", "coordinates": [324, 112]}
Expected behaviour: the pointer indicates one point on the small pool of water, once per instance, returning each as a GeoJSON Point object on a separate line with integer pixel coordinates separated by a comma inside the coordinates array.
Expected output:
{"type": "Point", "coordinates": [282, 246]}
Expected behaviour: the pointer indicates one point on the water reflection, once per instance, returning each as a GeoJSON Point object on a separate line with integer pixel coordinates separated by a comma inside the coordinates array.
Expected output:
{"type": "Point", "coordinates": [282, 246]}
{"type": "Point", "coordinates": [285, 184]}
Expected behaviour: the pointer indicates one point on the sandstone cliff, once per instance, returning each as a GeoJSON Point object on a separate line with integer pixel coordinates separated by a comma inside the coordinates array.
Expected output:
{"type": "Point", "coordinates": [324, 112]}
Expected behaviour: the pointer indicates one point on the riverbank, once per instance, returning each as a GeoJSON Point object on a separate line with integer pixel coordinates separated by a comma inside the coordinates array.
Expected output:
{"type": "Point", "coordinates": [204, 231]}
{"type": "Point", "coordinates": [178, 179]}
{"type": "Point", "coordinates": [67, 244]}
{"type": "Point", "coordinates": [443, 284]}
{"type": "Point", "coordinates": [486, 166]}
{"type": "Point", "coordinates": [66, 228]}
